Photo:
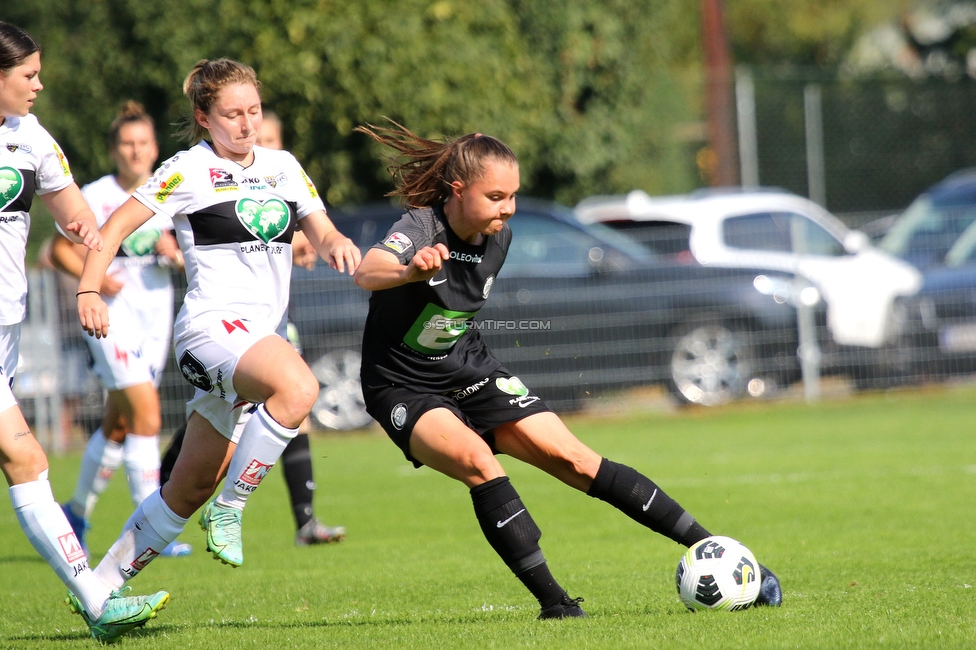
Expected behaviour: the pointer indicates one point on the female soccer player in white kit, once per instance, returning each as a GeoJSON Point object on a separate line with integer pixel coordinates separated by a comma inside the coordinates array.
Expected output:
{"type": "Point", "coordinates": [138, 289]}
{"type": "Point", "coordinates": [31, 161]}
{"type": "Point", "coordinates": [235, 207]}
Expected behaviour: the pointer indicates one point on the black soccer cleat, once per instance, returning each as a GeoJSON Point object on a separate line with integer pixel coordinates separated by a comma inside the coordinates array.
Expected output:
{"type": "Point", "coordinates": [770, 593]}
{"type": "Point", "coordinates": [565, 608]}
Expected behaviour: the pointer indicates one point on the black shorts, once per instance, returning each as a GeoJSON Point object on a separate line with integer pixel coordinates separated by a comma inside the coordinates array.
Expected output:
{"type": "Point", "coordinates": [496, 400]}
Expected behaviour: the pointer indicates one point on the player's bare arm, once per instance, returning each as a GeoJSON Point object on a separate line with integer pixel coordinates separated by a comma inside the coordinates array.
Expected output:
{"type": "Point", "coordinates": [382, 270]}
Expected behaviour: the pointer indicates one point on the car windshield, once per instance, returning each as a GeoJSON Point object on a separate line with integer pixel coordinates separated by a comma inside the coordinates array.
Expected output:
{"type": "Point", "coordinates": [927, 230]}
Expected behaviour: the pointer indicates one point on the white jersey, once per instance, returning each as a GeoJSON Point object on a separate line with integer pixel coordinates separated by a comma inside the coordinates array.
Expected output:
{"type": "Point", "coordinates": [30, 161]}
{"type": "Point", "coordinates": [234, 225]}
{"type": "Point", "coordinates": [136, 265]}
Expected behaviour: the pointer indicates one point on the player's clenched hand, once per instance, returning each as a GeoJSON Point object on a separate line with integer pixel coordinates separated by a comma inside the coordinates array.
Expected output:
{"type": "Point", "coordinates": [93, 313]}
{"type": "Point", "coordinates": [427, 262]}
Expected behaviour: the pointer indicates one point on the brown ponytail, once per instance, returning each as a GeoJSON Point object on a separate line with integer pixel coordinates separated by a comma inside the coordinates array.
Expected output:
{"type": "Point", "coordinates": [424, 169]}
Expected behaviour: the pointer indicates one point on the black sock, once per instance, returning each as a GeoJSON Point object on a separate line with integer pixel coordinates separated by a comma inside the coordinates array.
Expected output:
{"type": "Point", "coordinates": [640, 499]}
{"type": "Point", "coordinates": [513, 534]}
{"type": "Point", "coordinates": [168, 460]}
{"type": "Point", "coordinates": [296, 464]}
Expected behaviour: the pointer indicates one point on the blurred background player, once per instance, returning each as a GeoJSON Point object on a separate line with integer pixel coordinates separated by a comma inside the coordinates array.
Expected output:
{"type": "Point", "coordinates": [296, 460]}
{"type": "Point", "coordinates": [31, 162]}
{"type": "Point", "coordinates": [138, 290]}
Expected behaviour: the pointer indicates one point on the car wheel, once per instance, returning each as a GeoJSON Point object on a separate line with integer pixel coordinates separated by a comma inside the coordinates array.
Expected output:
{"type": "Point", "coordinates": [711, 364]}
{"type": "Point", "coordinates": [339, 404]}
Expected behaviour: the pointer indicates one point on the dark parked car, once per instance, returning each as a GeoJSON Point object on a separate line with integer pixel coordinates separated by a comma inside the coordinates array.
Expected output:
{"type": "Point", "coordinates": [937, 326]}
{"type": "Point", "coordinates": [577, 311]}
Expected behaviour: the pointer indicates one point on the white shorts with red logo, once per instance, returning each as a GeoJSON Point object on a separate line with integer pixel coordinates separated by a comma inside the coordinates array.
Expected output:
{"type": "Point", "coordinates": [9, 356]}
{"type": "Point", "coordinates": [208, 359]}
{"type": "Point", "coordinates": [136, 348]}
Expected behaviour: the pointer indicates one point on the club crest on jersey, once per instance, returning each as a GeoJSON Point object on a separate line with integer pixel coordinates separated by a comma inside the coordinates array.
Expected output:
{"type": "Point", "coordinates": [265, 220]}
{"type": "Point", "coordinates": [11, 185]}
{"type": "Point", "coordinates": [195, 372]}
{"type": "Point", "coordinates": [275, 181]}
{"type": "Point", "coordinates": [12, 147]}
{"type": "Point", "coordinates": [71, 547]}
{"type": "Point", "coordinates": [488, 283]}
{"type": "Point", "coordinates": [222, 180]}
{"type": "Point", "coordinates": [398, 242]}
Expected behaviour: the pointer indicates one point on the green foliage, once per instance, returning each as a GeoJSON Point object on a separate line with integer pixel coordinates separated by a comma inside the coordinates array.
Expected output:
{"type": "Point", "coordinates": [585, 94]}
{"type": "Point", "coordinates": [862, 507]}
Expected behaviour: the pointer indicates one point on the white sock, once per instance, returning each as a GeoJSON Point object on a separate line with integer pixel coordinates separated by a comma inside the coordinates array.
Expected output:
{"type": "Point", "coordinates": [45, 526]}
{"type": "Point", "coordinates": [262, 442]}
{"type": "Point", "coordinates": [102, 457]}
{"type": "Point", "coordinates": [147, 532]}
{"type": "Point", "coordinates": [141, 455]}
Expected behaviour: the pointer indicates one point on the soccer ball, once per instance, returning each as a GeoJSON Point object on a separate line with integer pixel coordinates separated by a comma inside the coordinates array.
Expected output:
{"type": "Point", "coordinates": [718, 573]}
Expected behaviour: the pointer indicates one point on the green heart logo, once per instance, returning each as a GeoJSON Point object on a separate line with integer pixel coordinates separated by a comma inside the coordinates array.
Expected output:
{"type": "Point", "coordinates": [11, 184]}
{"type": "Point", "coordinates": [264, 220]}
{"type": "Point", "coordinates": [141, 243]}
{"type": "Point", "coordinates": [512, 386]}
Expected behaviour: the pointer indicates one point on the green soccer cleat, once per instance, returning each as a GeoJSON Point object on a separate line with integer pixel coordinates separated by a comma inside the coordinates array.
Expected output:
{"type": "Point", "coordinates": [121, 614]}
{"type": "Point", "coordinates": [223, 526]}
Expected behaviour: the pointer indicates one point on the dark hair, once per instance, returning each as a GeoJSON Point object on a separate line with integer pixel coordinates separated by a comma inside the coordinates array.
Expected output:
{"type": "Point", "coordinates": [424, 169]}
{"type": "Point", "coordinates": [204, 82]}
{"type": "Point", "coordinates": [15, 46]}
{"type": "Point", "coordinates": [129, 113]}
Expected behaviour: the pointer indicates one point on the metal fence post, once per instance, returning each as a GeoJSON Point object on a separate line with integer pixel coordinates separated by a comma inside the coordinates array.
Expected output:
{"type": "Point", "coordinates": [745, 103]}
{"type": "Point", "coordinates": [816, 165]}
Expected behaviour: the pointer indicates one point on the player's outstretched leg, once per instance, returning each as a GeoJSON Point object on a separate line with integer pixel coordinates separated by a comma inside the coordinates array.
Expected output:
{"type": "Point", "coordinates": [513, 534]}
{"type": "Point", "coordinates": [120, 613]}
{"type": "Point", "coordinates": [640, 499]}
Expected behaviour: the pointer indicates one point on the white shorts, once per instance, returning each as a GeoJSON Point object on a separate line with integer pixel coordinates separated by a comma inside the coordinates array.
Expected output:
{"type": "Point", "coordinates": [137, 345]}
{"type": "Point", "coordinates": [9, 355]}
{"type": "Point", "coordinates": [208, 359]}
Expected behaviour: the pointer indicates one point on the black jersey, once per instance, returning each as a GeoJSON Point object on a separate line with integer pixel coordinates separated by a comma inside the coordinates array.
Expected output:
{"type": "Point", "coordinates": [418, 335]}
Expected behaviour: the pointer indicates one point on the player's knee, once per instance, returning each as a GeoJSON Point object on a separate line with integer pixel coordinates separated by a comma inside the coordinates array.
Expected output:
{"type": "Point", "coordinates": [480, 462]}
{"type": "Point", "coordinates": [293, 404]}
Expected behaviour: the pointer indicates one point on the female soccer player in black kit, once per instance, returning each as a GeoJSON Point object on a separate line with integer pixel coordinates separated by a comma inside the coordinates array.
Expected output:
{"type": "Point", "coordinates": [436, 388]}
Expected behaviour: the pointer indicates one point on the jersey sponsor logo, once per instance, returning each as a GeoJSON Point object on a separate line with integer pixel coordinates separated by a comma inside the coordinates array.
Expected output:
{"type": "Point", "coordinates": [234, 325]}
{"type": "Point", "coordinates": [466, 257]}
{"type": "Point", "coordinates": [70, 547]}
{"type": "Point", "coordinates": [275, 181]}
{"type": "Point", "coordinates": [314, 193]}
{"type": "Point", "coordinates": [61, 159]}
{"type": "Point", "coordinates": [470, 390]}
{"type": "Point", "coordinates": [12, 147]}
{"type": "Point", "coordinates": [222, 180]}
{"type": "Point", "coordinates": [398, 416]}
{"type": "Point", "coordinates": [11, 185]}
{"type": "Point", "coordinates": [398, 242]}
{"type": "Point", "coordinates": [195, 372]}
{"type": "Point", "coordinates": [432, 283]}
{"type": "Point", "coordinates": [122, 355]}
{"type": "Point", "coordinates": [265, 220]}
{"type": "Point", "coordinates": [254, 183]}
{"type": "Point", "coordinates": [437, 329]}
{"type": "Point", "coordinates": [166, 187]}
{"type": "Point", "coordinates": [254, 473]}
{"type": "Point", "coordinates": [141, 243]}
{"type": "Point", "coordinates": [488, 284]}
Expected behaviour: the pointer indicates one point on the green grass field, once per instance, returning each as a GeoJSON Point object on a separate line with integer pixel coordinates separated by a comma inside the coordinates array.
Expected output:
{"type": "Point", "coordinates": [864, 508]}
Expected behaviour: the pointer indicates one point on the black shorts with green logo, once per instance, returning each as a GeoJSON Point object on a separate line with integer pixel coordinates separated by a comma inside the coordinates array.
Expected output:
{"type": "Point", "coordinates": [495, 400]}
